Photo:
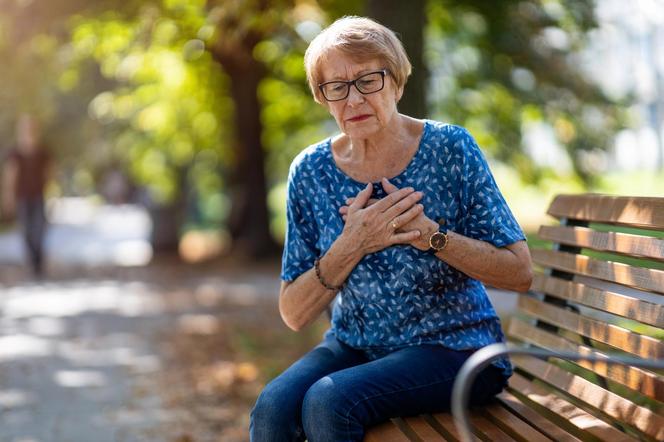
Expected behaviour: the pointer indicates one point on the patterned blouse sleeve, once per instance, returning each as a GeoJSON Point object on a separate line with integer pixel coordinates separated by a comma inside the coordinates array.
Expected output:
{"type": "Point", "coordinates": [485, 215]}
{"type": "Point", "coordinates": [300, 249]}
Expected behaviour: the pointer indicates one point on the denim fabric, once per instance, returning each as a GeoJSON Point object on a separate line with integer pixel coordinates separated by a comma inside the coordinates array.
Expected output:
{"type": "Point", "coordinates": [32, 219]}
{"type": "Point", "coordinates": [335, 392]}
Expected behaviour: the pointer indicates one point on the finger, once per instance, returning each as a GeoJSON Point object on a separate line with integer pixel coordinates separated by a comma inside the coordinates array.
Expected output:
{"type": "Point", "coordinates": [362, 197]}
{"type": "Point", "coordinates": [344, 218]}
{"type": "Point", "coordinates": [407, 216]}
{"type": "Point", "coordinates": [371, 201]}
{"type": "Point", "coordinates": [391, 199]}
{"type": "Point", "coordinates": [388, 187]}
{"type": "Point", "coordinates": [405, 237]}
{"type": "Point", "coordinates": [343, 210]}
{"type": "Point", "coordinates": [403, 205]}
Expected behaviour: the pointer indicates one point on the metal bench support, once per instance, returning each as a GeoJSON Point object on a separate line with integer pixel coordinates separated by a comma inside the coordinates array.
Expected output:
{"type": "Point", "coordinates": [484, 356]}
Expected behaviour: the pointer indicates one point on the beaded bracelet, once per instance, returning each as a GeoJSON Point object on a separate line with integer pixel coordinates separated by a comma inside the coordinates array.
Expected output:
{"type": "Point", "coordinates": [321, 280]}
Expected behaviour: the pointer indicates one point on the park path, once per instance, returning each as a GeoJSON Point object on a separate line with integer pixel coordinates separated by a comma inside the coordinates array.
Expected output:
{"type": "Point", "coordinates": [77, 361]}
{"type": "Point", "coordinates": [105, 349]}
{"type": "Point", "coordinates": [83, 352]}
{"type": "Point", "coordinates": [86, 359]}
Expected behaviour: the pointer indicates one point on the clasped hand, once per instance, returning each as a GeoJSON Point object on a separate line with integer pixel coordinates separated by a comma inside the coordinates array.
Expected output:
{"type": "Point", "coordinates": [373, 224]}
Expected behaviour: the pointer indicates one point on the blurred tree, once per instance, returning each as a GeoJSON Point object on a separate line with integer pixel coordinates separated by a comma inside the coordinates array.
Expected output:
{"type": "Point", "coordinates": [500, 67]}
{"type": "Point", "coordinates": [240, 26]}
{"type": "Point", "coordinates": [242, 62]}
{"type": "Point", "coordinates": [166, 115]}
{"type": "Point", "coordinates": [34, 56]}
{"type": "Point", "coordinates": [408, 20]}
{"type": "Point", "coordinates": [207, 98]}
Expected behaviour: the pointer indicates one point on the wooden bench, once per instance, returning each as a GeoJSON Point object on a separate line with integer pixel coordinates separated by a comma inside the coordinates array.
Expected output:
{"type": "Point", "coordinates": [599, 289]}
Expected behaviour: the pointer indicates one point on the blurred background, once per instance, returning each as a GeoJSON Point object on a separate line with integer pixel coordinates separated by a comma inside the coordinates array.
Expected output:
{"type": "Point", "coordinates": [171, 125]}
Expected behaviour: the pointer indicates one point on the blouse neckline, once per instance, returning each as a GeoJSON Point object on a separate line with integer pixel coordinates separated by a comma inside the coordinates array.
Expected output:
{"type": "Point", "coordinates": [397, 177]}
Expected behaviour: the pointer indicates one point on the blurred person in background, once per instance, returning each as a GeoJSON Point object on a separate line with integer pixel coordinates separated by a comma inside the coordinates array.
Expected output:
{"type": "Point", "coordinates": [27, 169]}
{"type": "Point", "coordinates": [401, 221]}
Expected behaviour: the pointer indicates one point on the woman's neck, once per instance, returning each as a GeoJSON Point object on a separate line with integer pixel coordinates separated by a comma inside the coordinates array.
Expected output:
{"type": "Point", "coordinates": [383, 155]}
{"type": "Point", "coordinates": [391, 139]}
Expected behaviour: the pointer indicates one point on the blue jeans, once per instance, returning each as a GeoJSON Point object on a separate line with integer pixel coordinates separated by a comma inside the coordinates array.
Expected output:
{"type": "Point", "coordinates": [335, 392]}
{"type": "Point", "coordinates": [32, 219]}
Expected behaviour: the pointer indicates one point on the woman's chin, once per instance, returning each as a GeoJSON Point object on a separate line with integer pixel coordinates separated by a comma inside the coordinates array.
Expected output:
{"type": "Point", "coordinates": [363, 129]}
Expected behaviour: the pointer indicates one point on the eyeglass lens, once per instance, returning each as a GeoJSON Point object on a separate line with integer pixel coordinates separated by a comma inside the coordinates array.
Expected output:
{"type": "Point", "coordinates": [366, 84]}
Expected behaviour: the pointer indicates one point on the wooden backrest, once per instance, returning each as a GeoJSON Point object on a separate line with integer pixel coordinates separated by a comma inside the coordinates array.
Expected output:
{"type": "Point", "coordinates": [599, 288]}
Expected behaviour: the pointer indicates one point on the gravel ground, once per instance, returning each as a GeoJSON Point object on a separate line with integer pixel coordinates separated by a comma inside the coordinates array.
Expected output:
{"type": "Point", "coordinates": [160, 352]}
{"type": "Point", "coordinates": [123, 355]}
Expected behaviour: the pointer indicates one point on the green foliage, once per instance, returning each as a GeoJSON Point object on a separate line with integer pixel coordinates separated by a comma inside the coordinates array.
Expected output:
{"type": "Point", "coordinates": [167, 111]}
{"type": "Point", "coordinates": [25, 71]}
{"type": "Point", "coordinates": [138, 85]}
{"type": "Point", "coordinates": [499, 67]}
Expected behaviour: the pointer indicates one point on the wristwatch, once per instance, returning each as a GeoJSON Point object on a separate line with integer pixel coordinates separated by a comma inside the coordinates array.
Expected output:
{"type": "Point", "coordinates": [438, 240]}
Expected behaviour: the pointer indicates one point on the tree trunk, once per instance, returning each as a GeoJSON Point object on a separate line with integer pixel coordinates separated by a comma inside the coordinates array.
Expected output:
{"type": "Point", "coordinates": [249, 219]}
{"type": "Point", "coordinates": [407, 19]}
{"type": "Point", "coordinates": [167, 220]}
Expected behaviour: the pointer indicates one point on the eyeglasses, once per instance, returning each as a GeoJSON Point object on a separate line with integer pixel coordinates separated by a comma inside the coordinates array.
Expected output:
{"type": "Point", "coordinates": [365, 84]}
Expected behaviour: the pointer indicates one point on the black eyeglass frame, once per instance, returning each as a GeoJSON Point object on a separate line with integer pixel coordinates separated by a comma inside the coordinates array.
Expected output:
{"type": "Point", "coordinates": [382, 72]}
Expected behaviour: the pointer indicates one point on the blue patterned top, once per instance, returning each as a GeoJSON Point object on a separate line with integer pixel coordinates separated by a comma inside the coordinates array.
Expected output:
{"type": "Point", "coordinates": [401, 296]}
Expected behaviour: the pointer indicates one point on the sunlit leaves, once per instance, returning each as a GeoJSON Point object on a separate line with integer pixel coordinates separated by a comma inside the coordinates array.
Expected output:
{"type": "Point", "coordinates": [268, 51]}
{"type": "Point", "coordinates": [190, 5]}
{"type": "Point", "coordinates": [291, 121]}
{"type": "Point", "coordinates": [193, 49]}
{"type": "Point", "coordinates": [498, 67]}
{"type": "Point", "coordinates": [169, 102]}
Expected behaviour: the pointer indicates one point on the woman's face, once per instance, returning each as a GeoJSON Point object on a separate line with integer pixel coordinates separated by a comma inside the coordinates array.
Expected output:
{"type": "Point", "coordinates": [360, 116]}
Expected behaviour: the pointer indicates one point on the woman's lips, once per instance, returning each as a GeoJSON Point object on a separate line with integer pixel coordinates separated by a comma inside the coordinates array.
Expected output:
{"type": "Point", "coordinates": [359, 118]}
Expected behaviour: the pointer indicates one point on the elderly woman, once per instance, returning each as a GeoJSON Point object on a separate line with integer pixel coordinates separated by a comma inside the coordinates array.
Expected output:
{"type": "Point", "coordinates": [401, 220]}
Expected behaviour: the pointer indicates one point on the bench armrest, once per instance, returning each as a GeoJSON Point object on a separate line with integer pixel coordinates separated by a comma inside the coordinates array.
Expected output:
{"type": "Point", "coordinates": [484, 356]}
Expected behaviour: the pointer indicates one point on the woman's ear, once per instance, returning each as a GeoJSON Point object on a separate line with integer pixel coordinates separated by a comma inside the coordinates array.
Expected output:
{"type": "Point", "coordinates": [323, 103]}
{"type": "Point", "coordinates": [398, 94]}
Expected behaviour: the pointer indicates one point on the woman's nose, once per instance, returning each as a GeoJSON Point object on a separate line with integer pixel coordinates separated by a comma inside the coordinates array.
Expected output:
{"type": "Point", "coordinates": [354, 96]}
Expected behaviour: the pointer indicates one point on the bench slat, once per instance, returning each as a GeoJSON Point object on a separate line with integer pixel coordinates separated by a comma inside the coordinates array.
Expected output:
{"type": "Point", "coordinates": [541, 409]}
{"type": "Point", "coordinates": [639, 277]}
{"type": "Point", "coordinates": [645, 382]}
{"type": "Point", "coordinates": [610, 403]}
{"type": "Point", "coordinates": [554, 432]}
{"type": "Point", "coordinates": [569, 414]}
{"type": "Point", "coordinates": [423, 430]}
{"type": "Point", "coordinates": [623, 243]}
{"type": "Point", "coordinates": [487, 430]}
{"type": "Point", "coordinates": [512, 425]}
{"type": "Point", "coordinates": [643, 212]}
{"type": "Point", "coordinates": [612, 302]}
{"type": "Point", "coordinates": [385, 432]}
{"type": "Point", "coordinates": [610, 334]}
{"type": "Point", "coordinates": [448, 428]}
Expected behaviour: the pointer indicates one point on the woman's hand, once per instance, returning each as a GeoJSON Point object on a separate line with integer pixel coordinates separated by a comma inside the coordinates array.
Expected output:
{"type": "Point", "coordinates": [373, 227]}
{"type": "Point", "coordinates": [421, 223]}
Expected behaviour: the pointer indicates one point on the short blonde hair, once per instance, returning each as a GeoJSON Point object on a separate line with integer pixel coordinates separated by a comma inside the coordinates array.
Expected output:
{"type": "Point", "coordinates": [362, 39]}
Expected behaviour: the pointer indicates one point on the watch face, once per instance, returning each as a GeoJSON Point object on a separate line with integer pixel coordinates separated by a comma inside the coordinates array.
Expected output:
{"type": "Point", "coordinates": [438, 241]}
